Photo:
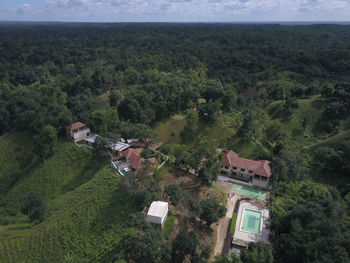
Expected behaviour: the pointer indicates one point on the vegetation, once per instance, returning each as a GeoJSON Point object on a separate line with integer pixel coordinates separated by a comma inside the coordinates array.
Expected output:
{"type": "Point", "coordinates": [272, 92]}
{"type": "Point", "coordinates": [233, 223]}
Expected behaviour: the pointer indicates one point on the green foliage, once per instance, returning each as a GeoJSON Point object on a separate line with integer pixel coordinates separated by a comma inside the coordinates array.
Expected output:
{"type": "Point", "coordinates": [169, 226]}
{"type": "Point", "coordinates": [147, 153]}
{"type": "Point", "coordinates": [257, 253]}
{"type": "Point", "coordinates": [105, 120]}
{"type": "Point", "coordinates": [327, 90]}
{"type": "Point", "coordinates": [210, 170]}
{"type": "Point", "coordinates": [301, 215]}
{"type": "Point", "coordinates": [185, 244]}
{"type": "Point", "coordinates": [45, 141]}
{"type": "Point", "coordinates": [233, 223]}
{"type": "Point", "coordinates": [149, 247]}
{"type": "Point", "coordinates": [211, 211]}
{"type": "Point", "coordinates": [174, 192]}
{"type": "Point", "coordinates": [34, 206]}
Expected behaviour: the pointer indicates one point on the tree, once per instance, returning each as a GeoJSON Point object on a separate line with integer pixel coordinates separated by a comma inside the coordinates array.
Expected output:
{"type": "Point", "coordinates": [174, 192]}
{"type": "Point", "coordinates": [184, 244]}
{"type": "Point", "coordinates": [211, 211]}
{"type": "Point", "coordinates": [34, 206]}
{"type": "Point", "coordinates": [208, 111]}
{"type": "Point", "coordinates": [257, 253]}
{"type": "Point", "coordinates": [291, 103]}
{"type": "Point", "coordinates": [45, 141]}
{"type": "Point", "coordinates": [105, 120]}
{"type": "Point", "coordinates": [147, 247]}
{"type": "Point", "coordinates": [327, 90]}
{"type": "Point", "coordinates": [210, 170]}
{"type": "Point", "coordinates": [247, 128]}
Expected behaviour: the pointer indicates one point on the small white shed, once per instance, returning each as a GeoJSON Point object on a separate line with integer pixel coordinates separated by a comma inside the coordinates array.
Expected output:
{"type": "Point", "coordinates": [158, 213]}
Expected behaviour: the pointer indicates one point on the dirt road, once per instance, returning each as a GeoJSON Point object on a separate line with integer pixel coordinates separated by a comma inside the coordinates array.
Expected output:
{"type": "Point", "coordinates": [224, 226]}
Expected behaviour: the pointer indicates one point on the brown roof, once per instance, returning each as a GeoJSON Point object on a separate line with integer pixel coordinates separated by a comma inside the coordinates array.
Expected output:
{"type": "Point", "coordinates": [134, 156]}
{"type": "Point", "coordinates": [261, 167]}
{"type": "Point", "coordinates": [77, 125]}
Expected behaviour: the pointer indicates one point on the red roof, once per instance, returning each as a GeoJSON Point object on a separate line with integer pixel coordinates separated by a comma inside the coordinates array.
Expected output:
{"type": "Point", "coordinates": [261, 167]}
{"type": "Point", "coordinates": [77, 125]}
{"type": "Point", "coordinates": [134, 156]}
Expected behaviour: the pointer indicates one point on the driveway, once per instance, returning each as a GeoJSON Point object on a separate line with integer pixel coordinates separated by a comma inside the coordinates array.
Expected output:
{"type": "Point", "coordinates": [224, 226]}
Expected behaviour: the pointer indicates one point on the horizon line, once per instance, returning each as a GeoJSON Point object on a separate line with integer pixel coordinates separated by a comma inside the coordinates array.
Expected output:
{"type": "Point", "coordinates": [180, 22]}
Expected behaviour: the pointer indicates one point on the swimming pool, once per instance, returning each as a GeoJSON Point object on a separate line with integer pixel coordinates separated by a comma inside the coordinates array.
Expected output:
{"type": "Point", "coordinates": [251, 221]}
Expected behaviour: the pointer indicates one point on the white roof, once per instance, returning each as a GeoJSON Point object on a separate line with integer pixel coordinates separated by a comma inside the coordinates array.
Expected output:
{"type": "Point", "coordinates": [92, 138]}
{"type": "Point", "coordinates": [157, 212]}
{"type": "Point", "coordinates": [118, 146]}
{"type": "Point", "coordinates": [132, 140]}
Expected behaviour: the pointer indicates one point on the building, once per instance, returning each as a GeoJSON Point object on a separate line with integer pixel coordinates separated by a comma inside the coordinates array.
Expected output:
{"type": "Point", "coordinates": [256, 172]}
{"type": "Point", "coordinates": [157, 213]}
{"type": "Point", "coordinates": [78, 131]}
{"type": "Point", "coordinates": [137, 162]}
{"type": "Point", "coordinates": [117, 147]}
{"type": "Point", "coordinates": [90, 140]}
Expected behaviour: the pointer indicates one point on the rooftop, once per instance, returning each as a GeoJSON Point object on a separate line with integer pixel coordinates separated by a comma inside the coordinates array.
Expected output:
{"type": "Point", "coordinates": [117, 146]}
{"type": "Point", "coordinates": [158, 209]}
{"type": "Point", "coordinates": [261, 167]}
{"type": "Point", "coordinates": [77, 125]}
{"type": "Point", "coordinates": [92, 138]}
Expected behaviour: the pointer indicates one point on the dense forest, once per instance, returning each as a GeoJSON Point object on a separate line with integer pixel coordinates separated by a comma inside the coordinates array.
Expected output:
{"type": "Point", "coordinates": [283, 91]}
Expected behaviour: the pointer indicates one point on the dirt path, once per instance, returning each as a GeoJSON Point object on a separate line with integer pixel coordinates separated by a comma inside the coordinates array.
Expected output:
{"type": "Point", "coordinates": [224, 226]}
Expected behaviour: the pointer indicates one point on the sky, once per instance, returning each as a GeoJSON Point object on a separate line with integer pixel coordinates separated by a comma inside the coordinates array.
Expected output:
{"type": "Point", "coordinates": [175, 10]}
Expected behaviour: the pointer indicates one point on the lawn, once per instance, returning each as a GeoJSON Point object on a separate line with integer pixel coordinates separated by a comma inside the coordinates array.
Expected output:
{"type": "Point", "coordinates": [169, 226]}
{"type": "Point", "coordinates": [233, 223]}
{"type": "Point", "coordinates": [169, 130]}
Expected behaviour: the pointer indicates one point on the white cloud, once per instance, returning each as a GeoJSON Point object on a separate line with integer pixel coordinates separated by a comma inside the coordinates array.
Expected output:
{"type": "Point", "coordinates": [23, 9]}
{"type": "Point", "coordinates": [185, 10]}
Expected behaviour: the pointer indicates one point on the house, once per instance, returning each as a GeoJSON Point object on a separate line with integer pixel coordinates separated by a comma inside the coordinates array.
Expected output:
{"type": "Point", "coordinates": [90, 140]}
{"type": "Point", "coordinates": [157, 213]}
{"type": "Point", "coordinates": [145, 143]}
{"type": "Point", "coordinates": [116, 148]}
{"type": "Point", "coordinates": [137, 162]}
{"type": "Point", "coordinates": [256, 172]}
{"type": "Point", "coordinates": [78, 131]}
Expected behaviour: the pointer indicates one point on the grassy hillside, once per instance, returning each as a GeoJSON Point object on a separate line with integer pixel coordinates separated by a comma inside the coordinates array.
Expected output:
{"type": "Point", "coordinates": [86, 214]}
{"type": "Point", "coordinates": [169, 130]}
{"type": "Point", "coordinates": [10, 149]}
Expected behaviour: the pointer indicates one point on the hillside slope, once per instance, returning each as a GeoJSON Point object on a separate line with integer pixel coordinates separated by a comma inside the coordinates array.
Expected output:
{"type": "Point", "coordinates": [86, 214]}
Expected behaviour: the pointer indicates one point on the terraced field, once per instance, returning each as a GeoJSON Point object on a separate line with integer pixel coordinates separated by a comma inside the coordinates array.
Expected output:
{"type": "Point", "coordinates": [86, 215]}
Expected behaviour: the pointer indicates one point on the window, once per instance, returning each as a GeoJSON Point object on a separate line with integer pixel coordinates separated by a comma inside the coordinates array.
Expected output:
{"type": "Point", "coordinates": [256, 177]}
{"type": "Point", "coordinates": [250, 171]}
{"type": "Point", "coordinates": [263, 179]}
{"type": "Point", "coordinates": [242, 170]}
{"type": "Point", "coordinates": [234, 168]}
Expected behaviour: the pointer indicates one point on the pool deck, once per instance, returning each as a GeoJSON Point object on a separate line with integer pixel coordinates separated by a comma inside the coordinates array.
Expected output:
{"type": "Point", "coordinates": [242, 238]}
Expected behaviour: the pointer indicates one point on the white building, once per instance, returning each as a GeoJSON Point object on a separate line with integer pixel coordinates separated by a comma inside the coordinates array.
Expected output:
{"type": "Point", "coordinates": [78, 131]}
{"type": "Point", "coordinates": [157, 213]}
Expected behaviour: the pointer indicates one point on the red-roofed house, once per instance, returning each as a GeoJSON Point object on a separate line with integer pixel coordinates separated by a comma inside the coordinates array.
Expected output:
{"type": "Point", "coordinates": [137, 162]}
{"type": "Point", "coordinates": [256, 172]}
{"type": "Point", "coordinates": [78, 131]}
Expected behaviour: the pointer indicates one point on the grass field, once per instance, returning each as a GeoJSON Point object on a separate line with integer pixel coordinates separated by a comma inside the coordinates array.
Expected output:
{"type": "Point", "coordinates": [233, 223]}
{"type": "Point", "coordinates": [169, 130]}
{"type": "Point", "coordinates": [169, 226]}
{"type": "Point", "coordinates": [86, 215]}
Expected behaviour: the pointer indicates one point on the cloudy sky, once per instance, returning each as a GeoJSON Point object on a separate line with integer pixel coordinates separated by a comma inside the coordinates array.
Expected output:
{"type": "Point", "coordinates": [175, 10]}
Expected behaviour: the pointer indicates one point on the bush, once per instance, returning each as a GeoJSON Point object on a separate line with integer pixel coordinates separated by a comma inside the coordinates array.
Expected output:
{"type": "Point", "coordinates": [34, 206]}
